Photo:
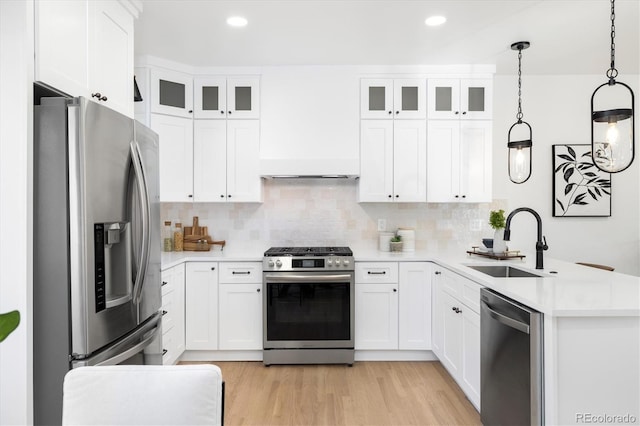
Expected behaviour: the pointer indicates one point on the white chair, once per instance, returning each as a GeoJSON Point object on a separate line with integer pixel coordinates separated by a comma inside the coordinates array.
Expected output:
{"type": "Point", "coordinates": [144, 395]}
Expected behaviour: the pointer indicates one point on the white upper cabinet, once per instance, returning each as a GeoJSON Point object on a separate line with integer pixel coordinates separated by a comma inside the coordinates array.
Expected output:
{"type": "Point", "coordinates": [231, 98]}
{"type": "Point", "coordinates": [393, 98]}
{"type": "Point", "coordinates": [226, 159]}
{"type": "Point", "coordinates": [393, 161]}
{"type": "Point", "coordinates": [85, 48]}
{"type": "Point", "coordinates": [171, 93]}
{"type": "Point", "coordinates": [176, 157]}
{"type": "Point", "coordinates": [459, 98]}
{"type": "Point", "coordinates": [459, 158]}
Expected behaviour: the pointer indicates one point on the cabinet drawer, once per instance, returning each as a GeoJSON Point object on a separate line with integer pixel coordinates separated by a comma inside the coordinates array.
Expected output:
{"type": "Point", "coordinates": [241, 272]}
{"type": "Point", "coordinates": [376, 272]}
{"type": "Point", "coordinates": [450, 282]}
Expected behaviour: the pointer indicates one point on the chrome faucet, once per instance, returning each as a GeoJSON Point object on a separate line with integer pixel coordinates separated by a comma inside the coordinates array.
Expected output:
{"type": "Point", "coordinates": [541, 244]}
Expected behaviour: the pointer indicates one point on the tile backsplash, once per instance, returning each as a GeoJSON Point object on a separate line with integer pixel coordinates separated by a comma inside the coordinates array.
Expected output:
{"type": "Point", "coordinates": [325, 212]}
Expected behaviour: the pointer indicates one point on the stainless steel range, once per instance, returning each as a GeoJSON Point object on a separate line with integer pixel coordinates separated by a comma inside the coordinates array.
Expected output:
{"type": "Point", "coordinates": [308, 305]}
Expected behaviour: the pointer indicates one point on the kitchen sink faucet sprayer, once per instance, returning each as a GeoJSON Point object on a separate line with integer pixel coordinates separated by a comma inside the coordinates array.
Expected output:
{"type": "Point", "coordinates": [541, 244]}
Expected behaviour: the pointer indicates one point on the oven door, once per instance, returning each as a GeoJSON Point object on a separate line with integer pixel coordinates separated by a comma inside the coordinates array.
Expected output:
{"type": "Point", "coordinates": [308, 310]}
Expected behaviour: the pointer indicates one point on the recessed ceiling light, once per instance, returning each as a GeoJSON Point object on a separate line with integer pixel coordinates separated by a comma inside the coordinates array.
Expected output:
{"type": "Point", "coordinates": [434, 21]}
{"type": "Point", "coordinates": [237, 21]}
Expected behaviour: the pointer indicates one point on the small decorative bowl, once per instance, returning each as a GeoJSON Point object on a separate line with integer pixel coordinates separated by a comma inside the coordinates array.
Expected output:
{"type": "Point", "coordinates": [488, 242]}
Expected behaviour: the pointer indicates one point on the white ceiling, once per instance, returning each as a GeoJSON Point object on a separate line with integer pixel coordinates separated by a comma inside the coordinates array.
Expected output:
{"type": "Point", "coordinates": [567, 36]}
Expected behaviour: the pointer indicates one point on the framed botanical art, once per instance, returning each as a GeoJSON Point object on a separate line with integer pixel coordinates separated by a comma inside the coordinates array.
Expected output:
{"type": "Point", "coordinates": [580, 189]}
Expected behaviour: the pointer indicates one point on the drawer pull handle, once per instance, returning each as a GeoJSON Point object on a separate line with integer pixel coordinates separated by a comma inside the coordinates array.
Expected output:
{"type": "Point", "coordinates": [164, 283]}
{"type": "Point", "coordinates": [377, 273]}
{"type": "Point", "coordinates": [164, 352]}
{"type": "Point", "coordinates": [164, 313]}
{"type": "Point", "coordinates": [241, 272]}
{"type": "Point", "coordinates": [438, 272]}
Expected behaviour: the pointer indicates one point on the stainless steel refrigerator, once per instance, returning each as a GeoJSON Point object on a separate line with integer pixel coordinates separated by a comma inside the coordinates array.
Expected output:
{"type": "Point", "coordinates": [96, 254]}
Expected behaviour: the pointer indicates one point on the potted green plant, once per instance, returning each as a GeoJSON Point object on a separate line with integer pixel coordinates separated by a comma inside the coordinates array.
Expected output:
{"type": "Point", "coordinates": [396, 243]}
{"type": "Point", "coordinates": [498, 223]}
{"type": "Point", "coordinates": [8, 322]}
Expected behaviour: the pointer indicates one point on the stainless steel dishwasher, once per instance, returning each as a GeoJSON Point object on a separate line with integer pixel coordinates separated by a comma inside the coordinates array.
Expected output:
{"type": "Point", "coordinates": [511, 373]}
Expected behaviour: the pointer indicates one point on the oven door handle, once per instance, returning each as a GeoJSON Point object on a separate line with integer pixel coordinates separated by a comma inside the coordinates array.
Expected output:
{"type": "Point", "coordinates": [276, 279]}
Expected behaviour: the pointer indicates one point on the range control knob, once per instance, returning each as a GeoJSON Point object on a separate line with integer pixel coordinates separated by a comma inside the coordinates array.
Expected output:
{"type": "Point", "coordinates": [329, 262]}
{"type": "Point", "coordinates": [337, 262]}
{"type": "Point", "coordinates": [278, 263]}
{"type": "Point", "coordinates": [271, 263]}
{"type": "Point", "coordinates": [345, 262]}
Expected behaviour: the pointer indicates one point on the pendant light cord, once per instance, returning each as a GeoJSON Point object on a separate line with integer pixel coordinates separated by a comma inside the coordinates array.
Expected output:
{"type": "Point", "coordinates": [519, 115]}
{"type": "Point", "coordinates": [613, 72]}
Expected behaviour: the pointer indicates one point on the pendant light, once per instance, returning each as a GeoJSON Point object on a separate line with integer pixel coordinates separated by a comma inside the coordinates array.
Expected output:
{"type": "Point", "coordinates": [520, 150]}
{"type": "Point", "coordinates": [612, 129]}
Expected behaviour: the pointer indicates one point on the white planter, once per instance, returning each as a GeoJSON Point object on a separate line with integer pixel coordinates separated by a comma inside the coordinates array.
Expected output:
{"type": "Point", "coordinates": [499, 244]}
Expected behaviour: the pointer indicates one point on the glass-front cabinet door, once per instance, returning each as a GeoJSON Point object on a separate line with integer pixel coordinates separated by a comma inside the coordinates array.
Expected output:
{"type": "Point", "coordinates": [459, 99]}
{"type": "Point", "coordinates": [409, 98]}
{"type": "Point", "coordinates": [171, 93]}
{"type": "Point", "coordinates": [243, 97]}
{"type": "Point", "coordinates": [376, 98]}
{"type": "Point", "coordinates": [392, 98]}
{"type": "Point", "coordinates": [210, 97]}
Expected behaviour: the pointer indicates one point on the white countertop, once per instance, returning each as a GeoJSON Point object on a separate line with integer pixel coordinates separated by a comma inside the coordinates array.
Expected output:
{"type": "Point", "coordinates": [566, 290]}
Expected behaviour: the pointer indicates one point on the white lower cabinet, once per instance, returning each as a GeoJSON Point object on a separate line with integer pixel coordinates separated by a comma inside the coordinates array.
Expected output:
{"type": "Point", "coordinates": [173, 304]}
{"type": "Point", "coordinates": [393, 306]}
{"type": "Point", "coordinates": [201, 305]}
{"type": "Point", "coordinates": [456, 329]}
{"type": "Point", "coordinates": [240, 304]}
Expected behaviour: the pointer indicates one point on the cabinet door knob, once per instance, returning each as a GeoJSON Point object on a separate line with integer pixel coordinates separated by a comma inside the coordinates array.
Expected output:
{"type": "Point", "coordinates": [438, 272]}
{"type": "Point", "coordinates": [464, 112]}
{"type": "Point", "coordinates": [190, 111]}
{"type": "Point", "coordinates": [229, 112]}
{"type": "Point", "coordinates": [464, 196]}
{"type": "Point", "coordinates": [457, 112]}
{"type": "Point", "coordinates": [221, 195]}
{"type": "Point", "coordinates": [221, 112]}
{"type": "Point", "coordinates": [213, 268]}
{"type": "Point", "coordinates": [397, 196]}
{"type": "Point", "coordinates": [258, 290]}
{"type": "Point", "coordinates": [390, 112]}
{"type": "Point", "coordinates": [397, 112]}
{"type": "Point", "coordinates": [395, 290]}
{"type": "Point", "coordinates": [390, 196]}
{"type": "Point", "coordinates": [456, 196]}
{"type": "Point", "coordinates": [229, 195]}
{"type": "Point", "coordinates": [190, 195]}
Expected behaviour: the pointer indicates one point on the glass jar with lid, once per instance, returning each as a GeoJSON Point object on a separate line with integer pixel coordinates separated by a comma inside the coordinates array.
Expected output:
{"type": "Point", "coordinates": [167, 237]}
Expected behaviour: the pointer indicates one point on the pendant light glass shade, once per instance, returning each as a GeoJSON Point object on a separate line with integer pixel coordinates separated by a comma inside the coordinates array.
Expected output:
{"type": "Point", "coordinates": [612, 118]}
{"type": "Point", "coordinates": [519, 157]}
{"type": "Point", "coordinates": [520, 150]}
{"type": "Point", "coordinates": [612, 131]}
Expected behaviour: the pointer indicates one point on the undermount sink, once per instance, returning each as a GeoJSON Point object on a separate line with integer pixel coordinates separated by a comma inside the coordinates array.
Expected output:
{"type": "Point", "coordinates": [503, 271]}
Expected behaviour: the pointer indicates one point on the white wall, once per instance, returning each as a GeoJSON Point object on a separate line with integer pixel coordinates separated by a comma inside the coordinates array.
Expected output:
{"type": "Point", "coordinates": [558, 110]}
{"type": "Point", "coordinates": [16, 80]}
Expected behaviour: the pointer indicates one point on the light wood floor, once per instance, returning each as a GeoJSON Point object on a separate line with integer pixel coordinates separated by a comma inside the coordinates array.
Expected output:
{"type": "Point", "coordinates": [369, 393]}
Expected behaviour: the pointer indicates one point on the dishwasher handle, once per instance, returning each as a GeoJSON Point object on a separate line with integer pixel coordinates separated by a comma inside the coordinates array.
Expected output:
{"type": "Point", "coordinates": [509, 322]}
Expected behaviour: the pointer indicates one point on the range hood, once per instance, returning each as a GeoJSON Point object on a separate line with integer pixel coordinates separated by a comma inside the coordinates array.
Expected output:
{"type": "Point", "coordinates": [310, 168]}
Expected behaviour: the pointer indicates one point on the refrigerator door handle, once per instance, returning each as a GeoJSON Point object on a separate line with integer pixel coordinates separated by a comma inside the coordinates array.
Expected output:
{"type": "Point", "coordinates": [123, 350]}
{"type": "Point", "coordinates": [146, 216]}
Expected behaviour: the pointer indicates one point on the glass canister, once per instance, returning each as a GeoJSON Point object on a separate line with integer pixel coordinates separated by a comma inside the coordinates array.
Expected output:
{"type": "Point", "coordinates": [167, 238]}
{"type": "Point", "coordinates": [178, 237]}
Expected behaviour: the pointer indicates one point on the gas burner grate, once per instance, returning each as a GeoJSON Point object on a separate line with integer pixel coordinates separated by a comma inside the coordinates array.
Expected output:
{"type": "Point", "coordinates": [309, 251]}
